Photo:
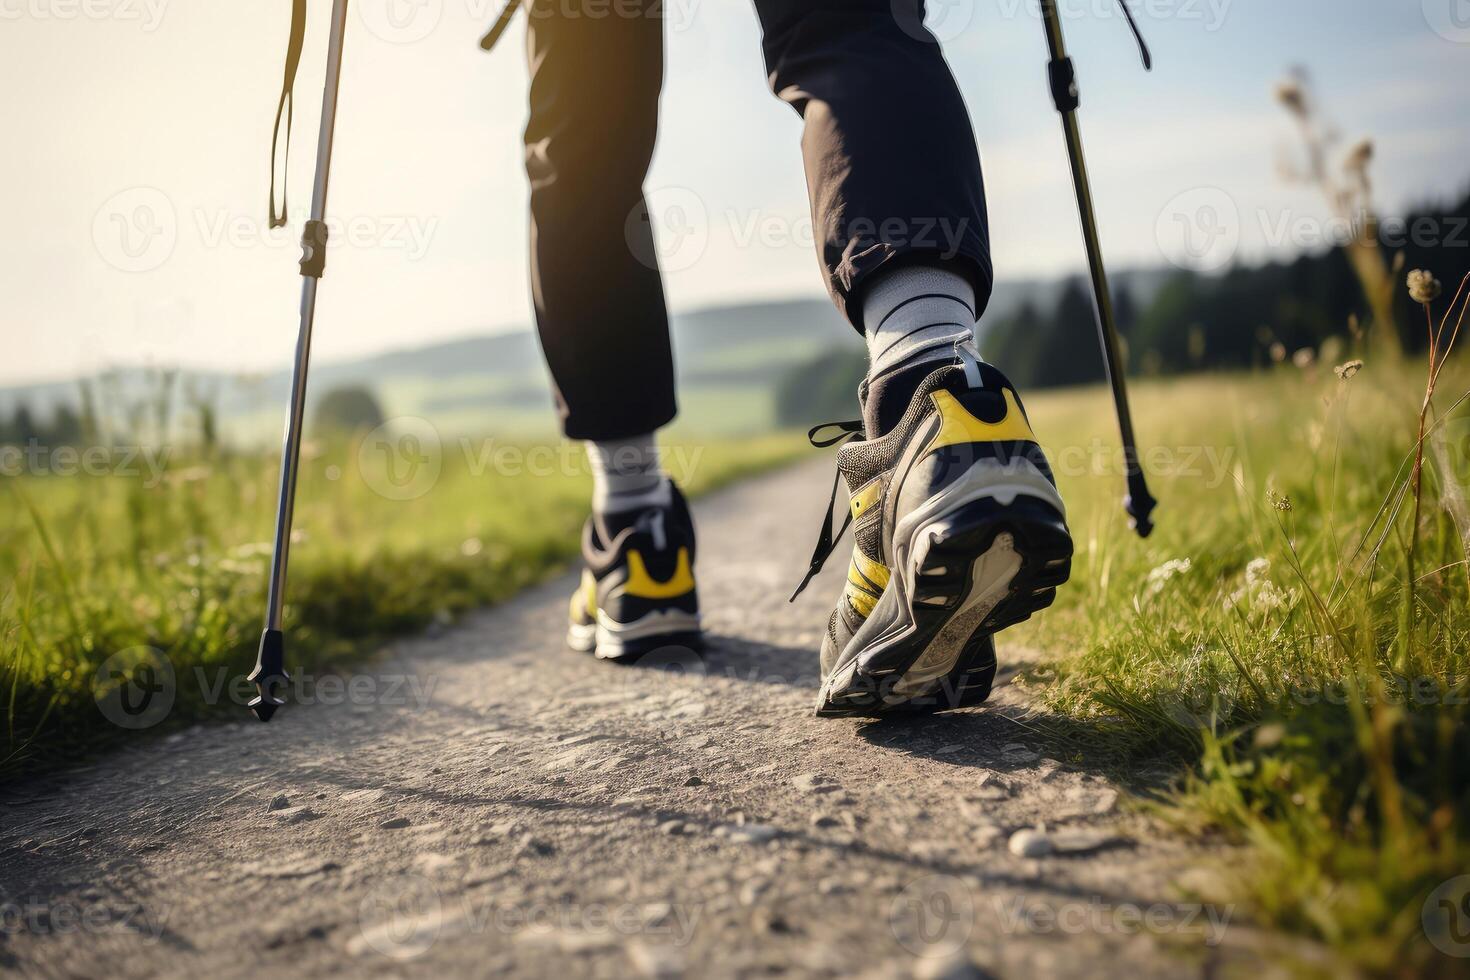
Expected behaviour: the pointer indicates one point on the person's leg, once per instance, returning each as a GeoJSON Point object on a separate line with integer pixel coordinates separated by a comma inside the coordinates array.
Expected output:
{"type": "Point", "coordinates": [958, 529]}
{"type": "Point", "coordinates": [890, 158]}
{"type": "Point", "coordinates": [894, 176]}
{"type": "Point", "coordinates": [594, 88]}
{"type": "Point", "coordinates": [595, 77]}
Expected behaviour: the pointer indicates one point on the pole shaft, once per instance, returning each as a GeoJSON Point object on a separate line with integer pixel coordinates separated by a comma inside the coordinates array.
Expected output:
{"type": "Point", "coordinates": [1102, 296]}
{"type": "Point", "coordinates": [1139, 503]}
{"type": "Point", "coordinates": [291, 447]}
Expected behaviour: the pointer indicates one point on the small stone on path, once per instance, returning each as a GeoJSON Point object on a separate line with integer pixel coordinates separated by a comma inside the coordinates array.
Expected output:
{"type": "Point", "coordinates": [1030, 843]}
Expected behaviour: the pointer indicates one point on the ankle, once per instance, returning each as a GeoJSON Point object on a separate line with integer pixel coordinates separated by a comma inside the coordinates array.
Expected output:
{"type": "Point", "coordinates": [916, 313]}
{"type": "Point", "coordinates": [627, 475]}
{"type": "Point", "coordinates": [915, 317]}
{"type": "Point", "coordinates": [886, 397]}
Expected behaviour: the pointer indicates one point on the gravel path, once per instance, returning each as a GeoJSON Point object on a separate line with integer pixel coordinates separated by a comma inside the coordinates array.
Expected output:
{"type": "Point", "coordinates": [500, 804]}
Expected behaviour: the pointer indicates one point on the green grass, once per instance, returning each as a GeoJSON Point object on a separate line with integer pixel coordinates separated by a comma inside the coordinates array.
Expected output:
{"type": "Point", "coordinates": [93, 566]}
{"type": "Point", "coordinates": [1265, 639]}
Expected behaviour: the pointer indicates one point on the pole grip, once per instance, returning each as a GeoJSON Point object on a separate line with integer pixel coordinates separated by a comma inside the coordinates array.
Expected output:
{"type": "Point", "coordinates": [1062, 74]}
{"type": "Point", "coordinates": [314, 249]}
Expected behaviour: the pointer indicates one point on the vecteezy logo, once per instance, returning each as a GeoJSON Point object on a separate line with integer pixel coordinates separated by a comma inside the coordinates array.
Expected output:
{"type": "Point", "coordinates": [933, 916]}
{"type": "Point", "coordinates": [672, 233]}
{"type": "Point", "coordinates": [136, 230]}
{"type": "Point", "coordinates": [135, 688]}
{"type": "Point", "coordinates": [401, 21]}
{"type": "Point", "coordinates": [1199, 230]}
{"type": "Point", "coordinates": [399, 918]}
{"type": "Point", "coordinates": [401, 459]}
{"type": "Point", "coordinates": [1450, 19]}
{"type": "Point", "coordinates": [1446, 917]}
{"type": "Point", "coordinates": [935, 20]}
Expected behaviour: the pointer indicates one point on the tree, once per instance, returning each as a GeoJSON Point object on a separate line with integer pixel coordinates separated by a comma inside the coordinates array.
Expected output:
{"type": "Point", "coordinates": [348, 409]}
{"type": "Point", "coordinates": [23, 427]}
{"type": "Point", "coordinates": [1017, 344]}
{"type": "Point", "coordinates": [66, 427]}
{"type": "Point", "coordinates": [1071, 355]}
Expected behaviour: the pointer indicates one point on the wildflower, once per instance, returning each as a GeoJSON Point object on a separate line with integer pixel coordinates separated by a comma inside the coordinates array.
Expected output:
{"type": "Point", "coordinates": [1158, 577]}
{"type": "Point", "coordinates": [1346, 371]}
{"type": "Point", "coordinates": [1257, 571]}
{"type": "Point", "coordinates": [1304, 358]}
{"type": "Point", "coordinates": [1269, 598]}
{"type": "Point", "coordinates": [1259, 593]}
{"type": "Point", "coordinates": [1359, 157]}
{"type": "Point", "coordinates": [1291, 95]}
{"type": "Point", "coordinates": [1279, 500]}
{"type": "Point", "coordinates": [1423, 287]}
{"type": "Point", "coordinates": [1278, 352]}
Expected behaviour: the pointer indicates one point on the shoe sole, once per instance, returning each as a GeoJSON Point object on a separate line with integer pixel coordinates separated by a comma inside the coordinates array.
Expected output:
{"type": "Point", "coordinates": [608, 640]}
{"type": "Point", "coordinates": [971, 573]}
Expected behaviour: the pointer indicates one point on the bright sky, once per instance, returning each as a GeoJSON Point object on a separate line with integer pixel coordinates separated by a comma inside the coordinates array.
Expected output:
{"type": "Point", "coordinates": [137, 137]}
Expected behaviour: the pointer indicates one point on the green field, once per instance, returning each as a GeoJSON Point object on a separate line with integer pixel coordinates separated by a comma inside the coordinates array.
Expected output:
{"type": "Point", "coordinates": [391, 535]}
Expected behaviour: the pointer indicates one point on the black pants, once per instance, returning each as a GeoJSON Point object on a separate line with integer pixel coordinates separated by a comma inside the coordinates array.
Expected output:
{"type": "Point", "coordinates": [890, 160]}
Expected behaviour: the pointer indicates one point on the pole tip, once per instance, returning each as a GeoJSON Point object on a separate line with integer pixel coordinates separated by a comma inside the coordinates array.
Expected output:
{"type": "Point", "coordinates": [269, 675]}
{"type": "Point", "coordinates": [263, 708]}
{"type": "Point", "coordinates": [1139, 505]}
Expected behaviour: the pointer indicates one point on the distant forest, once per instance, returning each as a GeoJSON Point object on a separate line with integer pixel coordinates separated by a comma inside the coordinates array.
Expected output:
{"type": "Point", "coordinates": [1194, 322]}
{"type": "Point", "coordinates": [1197, 322]}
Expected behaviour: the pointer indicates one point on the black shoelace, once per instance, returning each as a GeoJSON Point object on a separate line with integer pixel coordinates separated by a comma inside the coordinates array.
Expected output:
{"type": "Point", "coordinates": [827, 540]}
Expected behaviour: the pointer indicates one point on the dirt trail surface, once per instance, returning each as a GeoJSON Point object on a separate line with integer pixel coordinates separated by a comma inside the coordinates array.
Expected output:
{"type": "Point", "coordinates": [515, 807]}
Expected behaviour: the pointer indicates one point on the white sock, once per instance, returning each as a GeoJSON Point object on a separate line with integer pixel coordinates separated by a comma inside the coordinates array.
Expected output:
{"type": "Point", "coordinates": [626, 475]}
{"type": "Point", "coordinates": [916, 313]}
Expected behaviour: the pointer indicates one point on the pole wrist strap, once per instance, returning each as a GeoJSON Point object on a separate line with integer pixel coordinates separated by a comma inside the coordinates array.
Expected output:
{"type": "Point", "coordinates": [286, 107]}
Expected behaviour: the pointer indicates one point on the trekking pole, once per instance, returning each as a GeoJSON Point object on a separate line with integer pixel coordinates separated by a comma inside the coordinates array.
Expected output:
{"type": "Point", "coordinates": [1138, 502]}
{"type": "Point", "coordinates": [270, 676]}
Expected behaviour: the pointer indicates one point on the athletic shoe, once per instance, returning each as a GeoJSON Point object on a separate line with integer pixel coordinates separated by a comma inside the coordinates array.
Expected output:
{"type": "Point", "coordinates": [959, 532]}
{"type": "Point", "coordinates": [637, 592]}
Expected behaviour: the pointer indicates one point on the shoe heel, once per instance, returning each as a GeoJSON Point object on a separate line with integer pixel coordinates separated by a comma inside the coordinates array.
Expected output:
{"type": "Point", "coordinates": [1021, 550]}
{"type": "Point", "coordinates": [1032, 528]}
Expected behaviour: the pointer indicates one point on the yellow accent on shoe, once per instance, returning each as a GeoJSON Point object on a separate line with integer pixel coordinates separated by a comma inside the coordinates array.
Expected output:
{"type": "Point", "coordinates": [644, 586]}
{"type": "Point", "coordinates": [862, 601]}
{"type": "Point", "coordinates": [958, 426]}
{"type": "Point", "coordinates": [866, 580]}
{"type": "Point", "coordinates": [866, 498]}
{"type": "Point", "coordinates": [584, 601]}
{"type": "Point", "coordinates": [871, 570]}
{"type": "Point", "coordinates": [855, 578]}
